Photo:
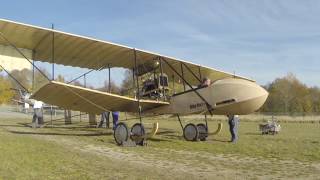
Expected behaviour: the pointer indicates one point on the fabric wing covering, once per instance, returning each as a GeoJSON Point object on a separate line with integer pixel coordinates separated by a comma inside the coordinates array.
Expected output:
{"type": "Point", "coordinates": [79, 51]}
{"type": "Point", "coordinates": [88, 100]}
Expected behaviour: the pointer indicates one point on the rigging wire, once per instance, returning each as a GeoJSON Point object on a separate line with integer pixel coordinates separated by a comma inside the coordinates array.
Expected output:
{"type": "Point", "coordinates": [21, 53]}
{"type": "Point", "coordinates": [20, 84]}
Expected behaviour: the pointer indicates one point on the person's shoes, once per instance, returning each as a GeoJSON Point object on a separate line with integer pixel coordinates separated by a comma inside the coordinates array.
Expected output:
{"type": "Point", "coordinates": [233, 141]}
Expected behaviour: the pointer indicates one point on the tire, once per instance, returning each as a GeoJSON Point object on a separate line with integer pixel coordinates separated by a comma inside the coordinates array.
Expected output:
{"type": "Point", "coordinates": [190, 132]}
{"type": "Point", "coordinates": [203, 131]}
{"type": "Point", "coordinates": [121, 133]}
{"type": "Point", "coordinates": [137, 133]}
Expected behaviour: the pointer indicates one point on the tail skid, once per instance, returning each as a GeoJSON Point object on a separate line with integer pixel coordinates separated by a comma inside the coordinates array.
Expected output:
{"type": "Point", "coordinates": [220, 125]}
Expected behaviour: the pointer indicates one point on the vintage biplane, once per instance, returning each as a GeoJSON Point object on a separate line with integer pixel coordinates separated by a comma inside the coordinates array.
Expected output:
{"type": "Point", "coordinates": [227, 94]}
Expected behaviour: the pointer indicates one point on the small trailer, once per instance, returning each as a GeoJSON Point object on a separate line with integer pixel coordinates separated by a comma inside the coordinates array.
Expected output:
{"type": "Point", "coordinates": [272, 127]}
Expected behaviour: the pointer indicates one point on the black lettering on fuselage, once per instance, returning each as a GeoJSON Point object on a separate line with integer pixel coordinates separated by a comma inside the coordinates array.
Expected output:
{"type": "Point", "coordinates": [197, 105]}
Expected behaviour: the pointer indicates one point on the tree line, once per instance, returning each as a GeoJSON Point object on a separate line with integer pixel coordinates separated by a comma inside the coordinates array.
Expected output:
{"type": "Point", "coordinates": [9, 86]}
{"type": "Point", "coordinates": [286, 94]}
{"type": "Point", "coordinates": [289, 95]}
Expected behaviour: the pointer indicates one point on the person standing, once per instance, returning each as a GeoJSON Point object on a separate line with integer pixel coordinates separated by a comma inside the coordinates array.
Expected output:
{"type": "Point", "coordinates": [233, 121]}
{"type": "Point", "coordinates": [115, 118]}
{"type": "Point", "coordinates": [104, 118]}
{"type": "Point", "coordinates": [37, 119]}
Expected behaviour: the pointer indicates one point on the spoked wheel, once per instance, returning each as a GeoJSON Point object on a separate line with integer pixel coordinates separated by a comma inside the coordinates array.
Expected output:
{"type": "Point", "coordinates": [137, 133]}
{"type": "Point", "coordinates": [121, 133]}
{"type": "Point", "coordinates": [203, 131]}
{"type": "Point", "coordinates": [190, 132]}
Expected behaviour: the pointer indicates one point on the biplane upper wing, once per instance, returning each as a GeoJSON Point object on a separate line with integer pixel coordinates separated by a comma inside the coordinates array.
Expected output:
{"type": "Point", "coordinates": [88, 100]}
{"type": "Point", "coordinates": [79, 51]}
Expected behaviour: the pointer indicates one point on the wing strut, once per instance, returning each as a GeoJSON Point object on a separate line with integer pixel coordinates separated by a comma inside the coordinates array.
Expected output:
{"type": "Point", "coordinates": [209, 107]}
{"type": "Point", "coordinates": [137, 77]}
{"type": "Point", "coordinates": [199, 79]}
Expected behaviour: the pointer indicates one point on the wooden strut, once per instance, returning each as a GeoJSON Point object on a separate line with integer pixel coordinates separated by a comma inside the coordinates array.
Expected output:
{"type": "Point", "coordinates": [138, 89]}
{"type": "Point", "coordinates": [80, 76]}
{"type": "Point", "coordinates": [199, 79]}
{"type": "Point", "coordinates": [205, 118]}
{"type": "Point", "coordinates": [184, 84]}
{"type": "Point", "coordinates": [52, 27]}
{"type": "Point", "coordinates": [51, 113]}
{"type": "Point", "coordinates": [161, 78]}
{"type": "Point", "coordinates": [174, 89]}
{"type": "Point", "coordinates": [200, 75]}
{"type": "Point", "coordinates": [134, 84]}
{"type": "Point", "coordinates": [33, 55]}
{"type": "Point", "coordinates": [180, 121]}
{"type": "Point", "coordinates": [209, 107]}
{"type": "Point", "coordinates": [109, 76]}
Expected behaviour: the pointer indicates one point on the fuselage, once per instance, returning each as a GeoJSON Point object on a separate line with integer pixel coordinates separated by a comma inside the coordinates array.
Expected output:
{"type": "Point", "coordinates": [225, 97]}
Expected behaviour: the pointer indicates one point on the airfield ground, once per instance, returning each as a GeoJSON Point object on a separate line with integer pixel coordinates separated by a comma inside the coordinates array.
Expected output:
{"type": "Point", "coordinates": [78, 152]}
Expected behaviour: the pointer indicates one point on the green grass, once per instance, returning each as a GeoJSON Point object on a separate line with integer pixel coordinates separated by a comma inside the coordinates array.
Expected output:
{"type": "Point", "coordinates": [298, 141]}
{"type": "Point", "coordinates": [77, 152]}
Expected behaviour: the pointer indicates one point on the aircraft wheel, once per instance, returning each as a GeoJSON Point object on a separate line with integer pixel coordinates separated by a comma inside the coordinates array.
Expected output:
{"type": "Point", "coordinates": [137, 133]}
{"type": "Point", "coordinates": [190, 132]}
{"type": "Point", "coordinates": [121, 133]}
{"type": "Point", "coordinates": [203, 131]}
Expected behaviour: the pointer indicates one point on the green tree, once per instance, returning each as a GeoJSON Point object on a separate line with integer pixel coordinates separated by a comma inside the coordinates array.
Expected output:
{"type": "Point", "coordinates": [314, 94]}
{"type": "Point", "coordinates": [289, 95]}
{"type": "Point", "coordinates": [127, 86]}
{"type": "Point", "coordinates": [114, 88]}
{"type": "Point", "coordinates": [40, 79]}
{"type": "Point", "coordinates": [24, 77]}
{"type": "Point", "coordinates": [6, 94]}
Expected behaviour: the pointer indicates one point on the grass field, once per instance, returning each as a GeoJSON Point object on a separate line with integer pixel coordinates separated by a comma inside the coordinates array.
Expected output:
{"type": "Point", "coordinates": [78, 152]}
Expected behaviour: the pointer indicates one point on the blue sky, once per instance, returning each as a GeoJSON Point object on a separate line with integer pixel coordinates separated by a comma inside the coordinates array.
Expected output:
{"type": "Point", "coordinates": [260, 39]}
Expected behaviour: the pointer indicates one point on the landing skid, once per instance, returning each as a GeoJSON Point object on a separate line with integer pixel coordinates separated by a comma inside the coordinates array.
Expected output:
{"type": "Point", "coordinates": [136, 136]}
{"type": "Point", "coordinates": [192, 132]}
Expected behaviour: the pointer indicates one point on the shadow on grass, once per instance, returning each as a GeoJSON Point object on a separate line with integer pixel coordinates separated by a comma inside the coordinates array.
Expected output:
{"type": "Point", "coordinates": [254, 134]}
{"type": "Point", "coordinates": [63, 126]}
{"type": "Point", "coordinates": [61, 134]}
{"type": "Point", "coordinates": [220, 140]}
{"type": "Point", "coordinates": [11, 125]}
{"type": "Point", "coordinates": [165, 132]}
{"type": "Point", "coordinates": [159, 140]}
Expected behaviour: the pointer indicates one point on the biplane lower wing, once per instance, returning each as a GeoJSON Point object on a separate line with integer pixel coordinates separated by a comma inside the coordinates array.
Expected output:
{"type": "Point", "coordinates": [88, 100]}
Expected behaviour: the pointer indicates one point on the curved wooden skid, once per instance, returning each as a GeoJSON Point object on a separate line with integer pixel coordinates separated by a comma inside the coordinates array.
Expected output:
{"type": "Point", "coordinates": [151, 134]}
{"type": "Point", "coordinates": [220, 125]}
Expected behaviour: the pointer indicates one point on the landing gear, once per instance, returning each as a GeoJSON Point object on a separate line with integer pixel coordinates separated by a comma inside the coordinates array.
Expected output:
{"type": "Point", "coordinates": [203, 131]}
{"type": "Point", "coordinates": [121, 133]}
{"type": "Point", "coordinates": [190, 132]}
{"type": "Point", "coordinates": [138, 133]}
